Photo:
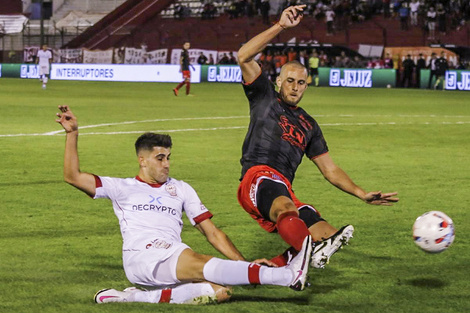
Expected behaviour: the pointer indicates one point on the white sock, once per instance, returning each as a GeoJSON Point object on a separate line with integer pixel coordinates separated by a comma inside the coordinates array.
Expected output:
{"type": "Point", "coordinates": [279, 276]}
{"type": "Point", "coordinates": [198, 293]}
{"type": "Point", "coordinates": [149, 296]}
{"type": "Point", "coordinates": [226, 272]}
{"type": "Point", "coordinates": [44, 80]}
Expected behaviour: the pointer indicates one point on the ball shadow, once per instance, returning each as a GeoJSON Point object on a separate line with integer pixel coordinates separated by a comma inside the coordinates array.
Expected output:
{"type": "Point", "coordinates": [427, 283]}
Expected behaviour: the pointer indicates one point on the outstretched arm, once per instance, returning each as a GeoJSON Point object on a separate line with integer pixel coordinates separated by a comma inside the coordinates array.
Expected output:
{"type": "Point", "coordinates": [222, 243]}
{"type": "Point", "coordinates": [337, 177]}
{"type": "Point", "coordinates": [290, 17]}
{"type": "Point", "coordinates": [219, 240]}
{"type": "Point", "coordinates": [72, 174]}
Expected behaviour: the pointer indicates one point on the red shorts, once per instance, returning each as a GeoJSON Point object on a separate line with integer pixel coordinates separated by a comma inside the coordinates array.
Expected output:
{"type": "Point", "coordinates": [186, 74]}
{"type": "Point", "coordinates": [247, 192]}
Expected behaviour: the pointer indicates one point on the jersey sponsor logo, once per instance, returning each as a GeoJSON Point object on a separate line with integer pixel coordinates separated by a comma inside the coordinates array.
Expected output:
{"type": "Point", "coordinates": [171, 189]}
{"type": "Point", "coordinates": [292, 134]}
{"type": "Point", "coordinates": [158, 244]}
{"type": "Point", "coordinates": [153, 207]}
{"type": "Point", "coordinates": [203, 207]}
{"type": "Point", "coordinates": [155, 199]}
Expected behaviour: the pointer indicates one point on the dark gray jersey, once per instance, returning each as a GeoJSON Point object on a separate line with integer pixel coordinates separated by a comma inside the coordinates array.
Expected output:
{"type": "Point", "coordinates": [278, 135]}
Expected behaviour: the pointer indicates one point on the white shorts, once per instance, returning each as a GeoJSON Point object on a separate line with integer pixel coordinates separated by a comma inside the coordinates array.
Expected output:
{"type": "Point", "coordinates": [43, 69]}
{"type": "Point", "coordinates": [155, 265]}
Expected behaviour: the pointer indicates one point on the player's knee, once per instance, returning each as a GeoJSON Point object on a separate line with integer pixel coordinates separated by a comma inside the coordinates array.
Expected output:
{"type": "Point", "coordinates": [282, 204]}
{"type": "Point", "coordinates": [190, 265]}
{"type": "Point", "coordinates": [198, 263]}
{"type": "Point", "coordinates": [309, 216]}
{"type": "Point", "coordinates": [223, 293]}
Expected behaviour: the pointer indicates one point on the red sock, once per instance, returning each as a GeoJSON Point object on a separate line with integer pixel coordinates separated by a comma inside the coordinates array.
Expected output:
{"type": "Point", "coordinates": [292, 229]}
{"type": "Point", "coordinates": [179, 85]}
{"type": "Point", "coordinates": [188, 87]}
{"type": "Point", "coordinates": [253, 273]}
{"type": "Point", "coordinates": [282, 259]}
{"type": "Point", "coordinates": [166, 296]}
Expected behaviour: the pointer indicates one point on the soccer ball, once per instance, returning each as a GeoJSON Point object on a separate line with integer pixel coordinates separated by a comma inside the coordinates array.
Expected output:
{"type": "Point", "coordinates": [433, 231]}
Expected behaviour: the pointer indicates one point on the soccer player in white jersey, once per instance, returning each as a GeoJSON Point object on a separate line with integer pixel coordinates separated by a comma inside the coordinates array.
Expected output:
{"type": "Point", "coordinates": [44, 60]}
{"type": "Point", "coordinates": [149, 208]}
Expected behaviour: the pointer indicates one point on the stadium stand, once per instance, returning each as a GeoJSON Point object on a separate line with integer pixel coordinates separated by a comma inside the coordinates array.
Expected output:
{"type": "Point", "coordinates": [169, 30]}
{"type": "Point", "coordinates": [153, 23]}
{"type": "Point", "coordinates": [11, 7]}
{"type": "Point", "coordinates": [11, 24]}
{"type": "Point", "coordinates": [102, 6]}
{"type": "Point", "coordinates": [123, 21]}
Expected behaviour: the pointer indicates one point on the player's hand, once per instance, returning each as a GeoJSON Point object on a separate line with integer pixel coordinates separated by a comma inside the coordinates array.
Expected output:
{"type": "Point", "coordinates": [265, 262]}
{"type": "Point", "coordinates": [379, 198]}
{"type": "Point", "coordinates": [291, 16]}
{"type": "Point", "coordinates": [67, 119]}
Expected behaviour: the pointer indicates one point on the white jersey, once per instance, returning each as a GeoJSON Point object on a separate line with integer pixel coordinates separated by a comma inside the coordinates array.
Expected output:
{"type": "Point", "coordinates": [330, 16]}
{"type": "Point", "coordinates": [414, 6]}
{"type": "Point", "coordinates": [151, 214]}
{"type": "Point", "coordinates": [44, 57]}
{"type": "Point", "coordinates": [431, 16]}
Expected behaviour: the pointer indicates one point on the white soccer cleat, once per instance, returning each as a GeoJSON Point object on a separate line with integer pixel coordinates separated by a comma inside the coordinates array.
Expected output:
{"type": "Point", "coordinates": [323, 250]}
{"type": "Point", "coordinates": [113, 295]}
{"type": "Point", "coordinates": [299, 265]}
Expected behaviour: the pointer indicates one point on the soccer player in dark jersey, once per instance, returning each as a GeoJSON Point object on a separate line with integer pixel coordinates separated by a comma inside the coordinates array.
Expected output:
{"type": "Point", "coordinates": [278, 136]}
{"type": "Point", "coordinates": [185, 70]}
{"type": "Point", "coordinates": [441, 67]}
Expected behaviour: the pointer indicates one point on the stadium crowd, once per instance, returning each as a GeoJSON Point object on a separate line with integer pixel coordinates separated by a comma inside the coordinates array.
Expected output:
{"type": "Point", "coordinates": [408, 69]}
{"type": "Point", "coordinates": [273, 59]}
{"type": "Point", "coordinates": [428, 14]}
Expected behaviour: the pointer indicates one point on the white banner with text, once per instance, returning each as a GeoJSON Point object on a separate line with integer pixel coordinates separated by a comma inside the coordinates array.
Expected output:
{"type": "Point", "coordinates": [123, 72]}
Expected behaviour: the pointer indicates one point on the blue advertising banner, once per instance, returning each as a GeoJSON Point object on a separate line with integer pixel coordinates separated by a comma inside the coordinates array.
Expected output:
{"type": "Point", "coordinates": [457, 80]}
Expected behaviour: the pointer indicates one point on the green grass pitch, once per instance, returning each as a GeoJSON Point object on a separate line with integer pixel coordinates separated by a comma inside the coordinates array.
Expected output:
{"type": "Point", "coordinates": [58, 247]}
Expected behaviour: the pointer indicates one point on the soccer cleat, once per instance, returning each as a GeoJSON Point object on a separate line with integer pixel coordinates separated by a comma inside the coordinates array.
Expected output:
{"type": "Point", "coordinates": [113, 295]}
{"type": "Point", "coordinates": [323, 250]}
{"type": "Point", "coordinates": [299, 265]}
{"type": "Point", "coordinates": [175, 91]}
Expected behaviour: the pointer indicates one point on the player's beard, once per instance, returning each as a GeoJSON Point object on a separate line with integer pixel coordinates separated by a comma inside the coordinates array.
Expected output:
{"type": "Point", "coordinates": [286, 100]}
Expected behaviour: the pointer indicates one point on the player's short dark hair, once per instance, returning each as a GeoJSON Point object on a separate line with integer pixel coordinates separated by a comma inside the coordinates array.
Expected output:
{"type": "Point", "coordinates": [295, 63]}
{"type": "Point", "coordinates": [150, 140]}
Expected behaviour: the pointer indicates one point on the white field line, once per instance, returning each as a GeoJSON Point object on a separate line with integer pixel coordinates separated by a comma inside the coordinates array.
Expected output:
{"type": "Point", "coordinates": [151, 121]}
{"type": "Point", "coordinates": [61, 131]}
